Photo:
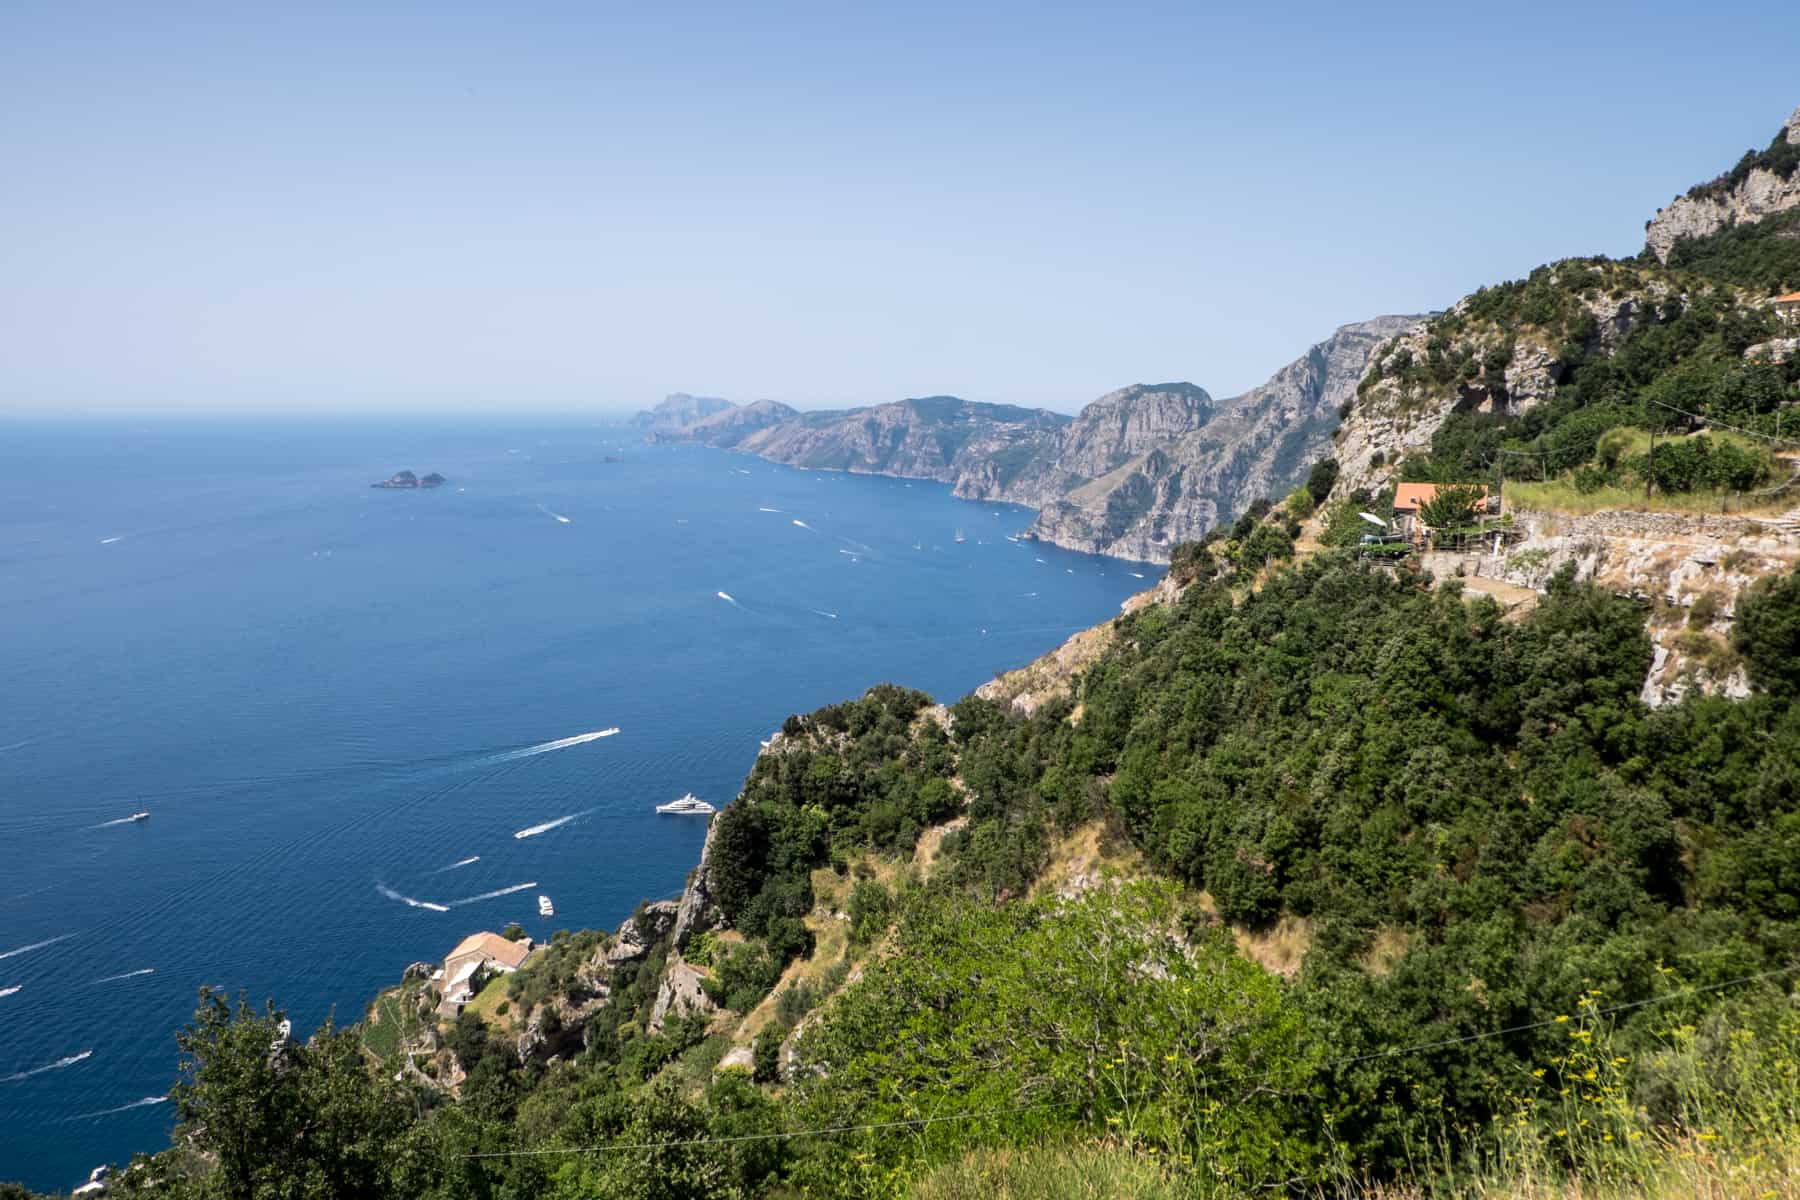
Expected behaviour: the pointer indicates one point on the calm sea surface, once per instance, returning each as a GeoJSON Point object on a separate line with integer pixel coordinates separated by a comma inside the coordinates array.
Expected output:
{"type": "Point", "coordinates": [338, 704]}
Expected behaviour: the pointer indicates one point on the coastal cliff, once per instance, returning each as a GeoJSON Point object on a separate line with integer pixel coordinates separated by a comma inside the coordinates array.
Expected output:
{"type": "Point", "coordinates": [1135, 472]}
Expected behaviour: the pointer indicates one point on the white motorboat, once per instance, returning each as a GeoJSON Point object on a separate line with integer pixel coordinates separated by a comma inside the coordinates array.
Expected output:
{"type": "Point", "coordinates": [138, 816]}
{"type": "Point", "coordinates": [689, 803]}
{"type": "Point", "coordinates": [545, 908]}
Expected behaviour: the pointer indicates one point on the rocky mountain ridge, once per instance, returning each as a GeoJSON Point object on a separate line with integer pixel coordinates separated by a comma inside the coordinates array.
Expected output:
{"type": "Point", "coordinates": [1135, 472]}
{"type": "Point", "coordinates": [1761, 185]}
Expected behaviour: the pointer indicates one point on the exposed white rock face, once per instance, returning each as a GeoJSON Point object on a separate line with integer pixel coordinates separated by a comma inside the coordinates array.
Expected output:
{"type": "Point", "coordinates": [1774, 350]}
{"type": "Point", "coordinates": [1258, 444]}
{"type": "Point", "coordinates": [1759, 195]}
{"type": "Point", "coordinates": [679, 994]}
{"type": "Point", "coordinates": [697, 910]}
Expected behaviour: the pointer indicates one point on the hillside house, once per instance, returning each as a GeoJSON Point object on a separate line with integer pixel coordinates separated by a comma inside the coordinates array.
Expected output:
{"type": "Point", "coordinates": [1788, 307]}
{"type": "Point", "coordinates": [476, 953]}
{"type": "Point", "coordinates": [1410, 498]}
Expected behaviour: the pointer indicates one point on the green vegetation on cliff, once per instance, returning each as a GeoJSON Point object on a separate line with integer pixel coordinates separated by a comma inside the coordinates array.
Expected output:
{"type": "Point", "coordinates": [1573, 917]}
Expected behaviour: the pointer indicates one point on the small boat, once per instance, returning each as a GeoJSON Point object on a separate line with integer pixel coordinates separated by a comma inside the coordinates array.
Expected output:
{"type": "Point", "coordinates": [689, 803]}
{"type": "Point", "coordinates": [138, 816]}
{"type": "Point", "coordinates": [545, 908]}
{"type": "Point", "coordinates": [960, 539]}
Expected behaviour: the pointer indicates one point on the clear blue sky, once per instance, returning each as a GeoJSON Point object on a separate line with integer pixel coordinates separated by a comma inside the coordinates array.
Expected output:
{"type": "Point", "coordinates": [322, 207]}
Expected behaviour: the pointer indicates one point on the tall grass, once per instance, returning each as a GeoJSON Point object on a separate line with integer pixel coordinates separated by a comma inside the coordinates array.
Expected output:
{"type": "Point", "coordinates": [1708, 1111]}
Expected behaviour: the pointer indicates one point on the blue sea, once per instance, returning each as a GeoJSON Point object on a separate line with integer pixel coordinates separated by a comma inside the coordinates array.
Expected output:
{"type": "Point", "coordinates": [341, 706]}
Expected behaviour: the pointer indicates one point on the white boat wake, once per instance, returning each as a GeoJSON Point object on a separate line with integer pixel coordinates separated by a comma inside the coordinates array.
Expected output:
{"type": "Point", "coordinates": [1135, 574]}
{"type": "Point", "coordinates": [547, 747]}
{"type": "Point", "coordinates": [128, 975]}
{"type": "Point", "coordinates": [37, 945]}
{"type": "Point", "coordinates": [547, 826]}
{"type": "Point", "coordinates": [495, 894]}
{"type": "Point", "coordinates": [821, 612]}
{"type": "Point", "coordinates": [766, 508]}
{"type": "Point", "coordinates": [58, 1065]}
{"type": "Point", "coordinates": [557, 515]}
{"type": "Point", "coordinates": [109, 541]}
{"type": "Point", "coordinates": [804, 525]}
{"type": "Point", "coordinates": [391, 894]}
{"type": "Point", "coordinates": [727, 598]}
{"type": "Point", "coordinates": [110, 824]}
{"type": "Point", "coordinates": [146, 1102]}
{"type": "Point", "coordinates": [461, 862]}
{"type": "Point", "coordinates": [7, 991]}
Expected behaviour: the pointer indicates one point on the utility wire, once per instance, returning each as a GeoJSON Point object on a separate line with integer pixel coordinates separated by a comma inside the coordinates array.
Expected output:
{"type": "Point", "coordinates": [921, 1122]}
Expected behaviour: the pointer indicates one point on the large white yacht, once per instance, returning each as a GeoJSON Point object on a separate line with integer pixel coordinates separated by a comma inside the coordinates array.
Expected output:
{"type": "Point", "coordinates": [545, 908]}
{"type": "Point", "coordinates": [689, 803]}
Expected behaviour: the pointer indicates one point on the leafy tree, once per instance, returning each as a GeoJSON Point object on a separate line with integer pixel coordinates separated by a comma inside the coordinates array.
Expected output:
{"type": "Point", "coordinates": [1321, 479]}
{"type": "Point", "coordinates": [1451, 506]}
{"type": "Point", "coordinates": [279, 1118]}
{"type": "Point", "coordinates": [1767, 634]}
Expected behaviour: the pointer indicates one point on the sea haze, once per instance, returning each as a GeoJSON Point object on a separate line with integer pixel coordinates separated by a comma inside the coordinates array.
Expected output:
{"type": "Point", "coordinates": [343, 706]}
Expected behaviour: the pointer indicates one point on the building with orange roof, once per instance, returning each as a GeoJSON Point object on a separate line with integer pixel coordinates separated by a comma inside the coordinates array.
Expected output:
{"type": "Point", "coordinates": [464, 966]}
{"type": "Point", "coordinates": [1788, 305]}
{"type": "Point", "coordinates": [1410, 498]}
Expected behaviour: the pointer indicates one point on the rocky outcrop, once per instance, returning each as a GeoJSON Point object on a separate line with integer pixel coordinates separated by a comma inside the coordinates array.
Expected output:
{"type": "Point", "coordinates": [1761, 185]}
{"type": "Point", "coordinates": [406, 479]}
{"type": "Point", "coordinates": [680, 409]}
{"type": "Point", "coordinates": [681, 994]}
{"type": "Point", "coordinates": [697, 910]}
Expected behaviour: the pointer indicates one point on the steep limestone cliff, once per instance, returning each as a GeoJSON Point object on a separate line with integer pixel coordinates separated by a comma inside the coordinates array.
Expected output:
{"type": "Point", "coordinates": [1762, 184]}
{"type": "Point", "coordinates": [1137, 471]}
{"type": "Point", "coordinates": [680, 409]}
{"type": "Point", "coordinates": [1257, 444]}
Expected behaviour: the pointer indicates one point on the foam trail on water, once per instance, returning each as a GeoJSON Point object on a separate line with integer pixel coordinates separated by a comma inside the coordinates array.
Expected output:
{"type": "Point", "coordinates": [558, 744]}
{"type": "Point", "coordinates": [37, 945]}
{"type": "Point", "coordinates": [803, 524]}
{"type": "Point", "coordinates": [547, 826]}
{"type": "Point", "coordinates": [766, 508]}
{"type": "Point", "coordinates": [726, 597]}
{"type": "Point", "coordinates": [495, 894]}
{"type": "Point", "coordinates": [557, 515]}
{"type": "Point", "coordinates": [146, 1102]}
{"type": "Point", "coordinates": [1040, 560]}
{"type": "Point", "coordinates": [108, 541]}
{"type": "Point", "coordinates": [128, 975]}
{"type": "Point", "coordinates": [461, 862]}
{"type": "Point", "coordinates": [7, 991]}
{"type": "Point", "coordinates": [110, 824]}
{"type": "Point", "coordinates": [851, 553]}
{"type": "Point", "coordinates": [58, 1065]}
{"type": "Point", "coordinates": [821, 612]}
{"type": "Point", "coordinates": [391, 894]}
{"type": "Point", "coordinates": [20, 745]}
{"type": "Point", "coordinates": [1135, 574]}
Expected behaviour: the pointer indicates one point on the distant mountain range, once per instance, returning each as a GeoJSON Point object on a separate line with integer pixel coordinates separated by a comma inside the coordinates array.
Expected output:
{"type": "Point", "coordinates": [1137, 471]}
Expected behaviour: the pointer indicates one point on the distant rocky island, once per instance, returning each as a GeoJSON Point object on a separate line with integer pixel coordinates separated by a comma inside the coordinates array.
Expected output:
{"type": "Point", "coordinates": [1136, 472]}
{"type": "Point", "coordinates": [406, 479]}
